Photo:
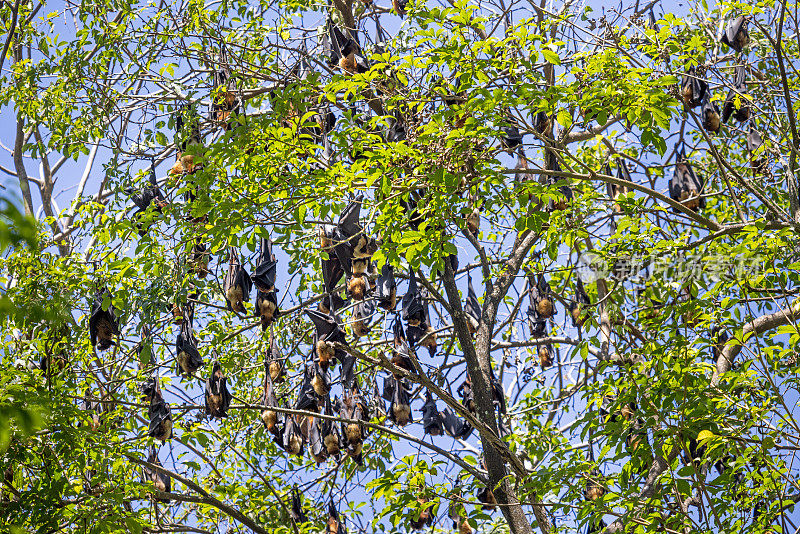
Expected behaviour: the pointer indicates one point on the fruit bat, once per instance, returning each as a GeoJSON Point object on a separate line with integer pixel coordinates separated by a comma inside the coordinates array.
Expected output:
{"type": "Point", "coordinates": [296, 512]}
{"type": "Point", "coordinates": [499, 402]}
{"type": "Point", "coordinates": [401, 353]}
{"type": "Point", "coordinates": [685, 186]}
{"type": "Point", "coordinates": [187, 128]}
{"type": "Point", "coordinates": [719, 338]}
{"type": "Point", "coordinates": [270, 417]}
{"type": "Point", "coordinates": [693, 89]}
{"type": "Point", "coordinates": [353, 408]}
{"type": "Point", "coordinates": [320, 382]}
{"type": "Point", "coordinates": [187, 356]}
{"type": "Point", "coordinates": [332, 273]}
{"type": "Point", "coordinates": [292, 437]}
{"type": "Point", "coordinates": [754, 141]}
{"type": "Point", "coordinates": [352, 246]}
{"type": "Point", "coordinates": [455, 426]}
{"type": "Point", "coordinates": [103, 324]}
{"type": "Point", "coordinates": [274, 362]}
{"type": "Point", "coordinates": [486, 496]}
{"type": "Point", "coordinates": [331, 435]}
{"type": "Point", "coordinates": [467, 396]}
{"type": "Point", "coordinates": [362, 315]}
{"type": "Point", "coordinates": [316, 445]}
{"type": "Point", "coordinates": [614, 190]}
{"type": "Point", "coordinates": [431, 419]}
{"type": "Point", "coordinates": [424, 335]}
{"type": "Point", "coordinates": [416, 315]}
{"type": "Point", "coordinates": [160, 417]}
{"type": "Point", "coordinates": [345, 51]}
{"type": "Point", "coordinates": [739, 89]}
{"type": "Point", "coordinates": [95, 410]}
{"type": "Point", "coordinates": [472, 308]}
{"type": "Point", "coordinates": [510, 138]}
{"type": "Point", "coordinates": [543, 124]}
{"type": "Point", "coordinates": [473, 219]}
{"type": "Point", "coordinates": [425, 517]}
{"type": "Point", "coordinates": [218, 398]}
{"type": "Point", "coordinates": [161, 481]}
{"type": "Point", "coordinates": [577, 308]}
{"type": "Point", "coordinates": [199, 259]}
{"type": "Point", "coordinates": [335, 524]}
{"type": "Point", "coordinates": [400, 7]}
{"type": "Point", "coordinates": [537, 325]}
{"type": "Point", "coordinates": [387, 288]}
{"type": "Point", "coordinates": [542, 298]}
{"type": "Point", "coordinates": [736, 35]}
{"type": "Point", "coordinates": [237, 284]}
{"type": "Point", "coordinates": [143, 198]}
{"type": "Point", "coordinates": [594, 488]}
{"type": "Point", "coordinates": [327, 333]}
{"type": "Point", "coordinates": [307, 396]}
{"type": "Point", "coordinates": [185, 312]}
{"type": "Point", "coordinates": [560, 203]}
{"type": "Point", "coordinates": [265, 272]}
{"type": "Point", "coordinates": [266, 308]}
{"type": "Point", "coordinates": [710, 114]}
{"type": "Point", "coordinates": [396, 392]}
{"type": "Point", "coordinates": [224, 103]}
{"type": "Point", "coordinates": [545, 353]}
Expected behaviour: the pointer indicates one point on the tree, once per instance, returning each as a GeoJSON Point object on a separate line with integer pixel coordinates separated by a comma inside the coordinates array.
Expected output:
{"type": "Point", "coordinates": [605, 284]}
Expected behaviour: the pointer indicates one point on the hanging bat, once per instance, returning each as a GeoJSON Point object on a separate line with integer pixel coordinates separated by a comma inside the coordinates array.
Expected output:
{"type": "Point", "coordinates": [331, 436]}
{"type": "Point", "coordinates": [103, 324]}
{"type": "Point", "coordinates": [472, 308]}
{"type": "Point", "coordinates": [327, 333]}
{"type": "Point", "coordinates": [425, 517]}
{"type": "Point", "coordinates": [296, 512]}
{"type": "Point", "coordinates": [543, 124]}
{"type": "Point", "coordinates": [95, 410]}
{"type": "Point", "coordinates": [473, 219]}
{"type": "Point", "coordinates": [237, 284]}
{"type": "Point", "coordinates": [577, 308]}
{"type": "Point", "coordinates": [353, 408]}
{"type": "Point", "coordinates": [739, 89]}
{"type": "Point", "coordinates": [307, 396]}
{"type": "Point", "coordinates": [594, 488]}
{"type": "Point", "coordinates": [486, 496]}
{"type": "Point", "coordinates": [499, 402]}
{"type": "Point", "coordinates": [545, 353]}
{"type": "Point", "coordinates": [396, 392]}
{"type": "Point", "coordinates": [614, 190]}
{"type": "Point", "coordinates": [325, 235]}
{"type": "Point", "coordinates": [161, 481]}
{"type": "Point", "coordinates": [160, 417]}
{"type": "Point", "coordinates": [224, 103]}
{"type": "Point", "coordinates": [387, 288]}
{"type": "Point", "coordinates": [710, 114]}
{"type": "Point", "coordinates": [143, 198]}
{"type": "Point", "coordinates": [685, 187]}
{"type": "Point", "coordinates": [316, 445]}
{"type": "Point", "coordinates": [754, 141]}
{"type": "Point", "coordinates": [199, 259]}
{"type": "Point", "coordinates": [335, 524]}
{"type": "Point", "coordinates": [454, 425]}
{"type": "Point", "coordinates": [353, 248]}
{"type": "Point", "coordinates": [265, 272]}
{"type": "Point", "coordinates": [274, 361]}
{"type": "Point", "coordinates": [362, 315]}
{"type": "Point", "coordinates": [560, 203]}
{"type": "Point", "coordinates": [187, 356]}
{"type": "Point", "coordinates": [321, 383]}
{"type": "Point", "coordinates": [719, 339]}
{"type": "Point", "coordinates": [401, 353]}
{"type": "Point", "coordinates": [345, 52]}
{"type": "Point", "coordinates": [536, 324]}
{"type": "Point", "coordinates": [510, 138]}
{"type": "Point", "coordinates": [332, 273]}
{"type": "Point", "coordinates": [467, 397]}
{"type": "Point", "coordinates": [218, 398]}
{"type": "Point", "coordinates": [736, 35]}
{"type": "Point", "coordinates": [187, 128]}
{"type": "Point", "coordinates": [293, 441]}
{"type": "Point", "coordinates": [270, 417]}
{"type": "Point", "coordinates": [431, 420]}
{"type": "Point", "coordinates": [693, 89]}
{"type": "Point", "coordinates": [541, 297]}
{"type": "Point", "coordinates": [185, 312]}
{"type": "Point", "coordinates": [266, 308]}
{"type": "Point", "coordinates": [423, 335]}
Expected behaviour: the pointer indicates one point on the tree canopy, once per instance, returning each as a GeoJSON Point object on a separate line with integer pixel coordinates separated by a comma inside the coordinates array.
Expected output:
{"type": "Point", "coordinates": [428, 266]}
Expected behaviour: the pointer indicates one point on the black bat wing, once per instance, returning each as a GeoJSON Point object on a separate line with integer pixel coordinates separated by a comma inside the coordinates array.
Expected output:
{"type": "Point", "coordinates": [158, 412]}
{"type": "Point", "coordinates": [431, 419]}
{"type": "Point", "coordinates": [386, 285]}
{"type": "Point", "coordinates": [324, 323]}
{"type": "Point", "coordinates": [754, 140]}
{"type": "Point", "coordinates": [454, 425]}
{"type": "Point", "coordinates": [307, 398]}
{"type": "Point", "coordinates": [611, 189]}
{"type": "Point", "coordinates": [472, 307]}
{"type": "Point", "coordinates": [315, 439]}
{"type": "Point", "coordinates": [348, 224]}
{"type": "Point", "coordinates": [412, 303]}
{"type": "Point", "coordinates": [297, 512]}
{"type": "Point", "coordinates": [291, 430]}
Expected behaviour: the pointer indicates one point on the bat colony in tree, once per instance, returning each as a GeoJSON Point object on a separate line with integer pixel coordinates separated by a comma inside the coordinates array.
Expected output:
{"type": "Point", "coordinates": [337, 429]}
